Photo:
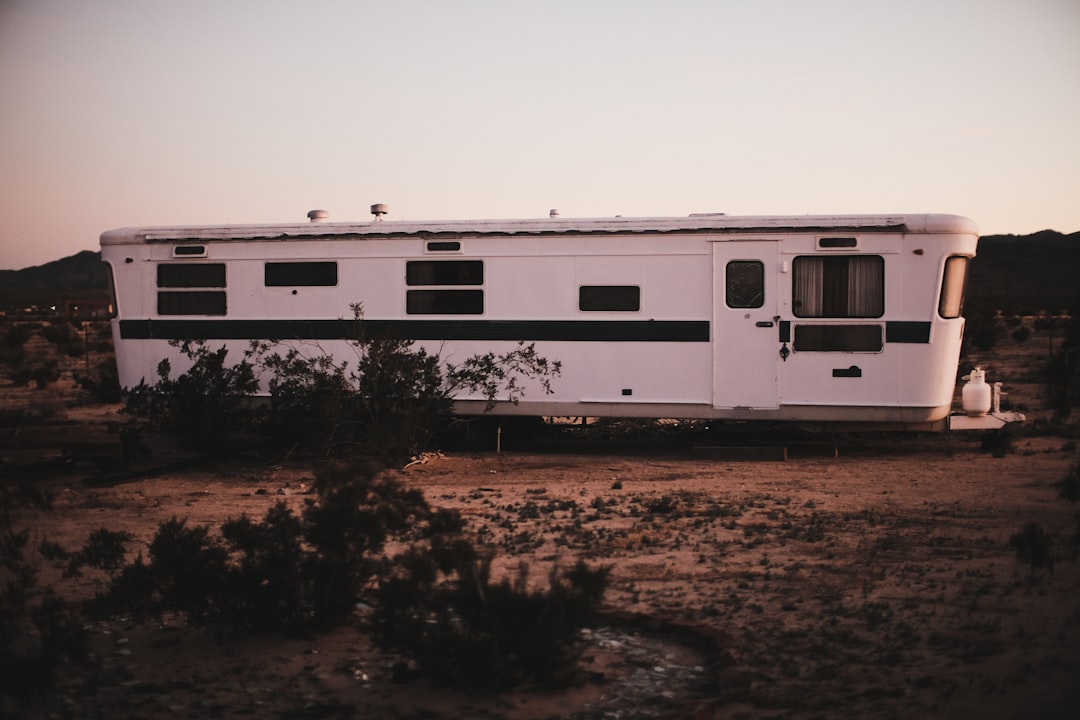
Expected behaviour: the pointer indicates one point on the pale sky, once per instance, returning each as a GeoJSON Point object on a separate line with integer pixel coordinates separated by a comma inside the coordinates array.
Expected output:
{"type": "Point", "coordinates": [119, 113]}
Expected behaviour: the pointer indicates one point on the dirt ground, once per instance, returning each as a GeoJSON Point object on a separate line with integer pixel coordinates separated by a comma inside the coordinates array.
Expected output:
{"type": "Point", "coordinates": [859, 578]}
{"type": "Point", "coordinates": [862, 577]}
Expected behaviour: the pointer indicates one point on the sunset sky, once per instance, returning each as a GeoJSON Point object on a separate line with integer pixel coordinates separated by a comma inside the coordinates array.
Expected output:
{"type": "Point", "coordinates": [128, 112]}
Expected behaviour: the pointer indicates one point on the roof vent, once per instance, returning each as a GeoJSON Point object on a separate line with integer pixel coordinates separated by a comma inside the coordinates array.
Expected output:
{"type": "Point", "coordinates": [553, 213]}
{"type": "Point", "coordinates": [318, 216]}
{"type": "Point", "coordinates": [378, 210]}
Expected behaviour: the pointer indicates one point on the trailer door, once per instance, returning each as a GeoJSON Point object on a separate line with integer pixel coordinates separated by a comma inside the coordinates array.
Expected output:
{"type": "Point", "coordinates": [745, 317]}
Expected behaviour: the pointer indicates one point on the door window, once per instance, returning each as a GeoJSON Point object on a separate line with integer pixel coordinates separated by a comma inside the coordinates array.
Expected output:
{"type": "Point", "coordinates": [745, 286]}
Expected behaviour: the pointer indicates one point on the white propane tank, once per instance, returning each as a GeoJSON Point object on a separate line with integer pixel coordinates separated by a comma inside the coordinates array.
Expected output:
{"type": "Point", "coordinates": [976, 395]}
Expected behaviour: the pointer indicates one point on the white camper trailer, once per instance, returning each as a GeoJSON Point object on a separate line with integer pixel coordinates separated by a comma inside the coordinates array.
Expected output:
{"type": "Point", "coordinates": [810, 319]}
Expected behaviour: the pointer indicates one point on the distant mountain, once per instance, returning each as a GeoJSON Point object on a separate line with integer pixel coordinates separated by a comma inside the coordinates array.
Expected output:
{"type": "Point", "coordinates": [80, 280]}
{"type": "Point", "coordinates": [1012, 272]}
{"type": "Point", "coordinates": [1027, 273]}
{"type": "Point", "coordinates": [78, 272]}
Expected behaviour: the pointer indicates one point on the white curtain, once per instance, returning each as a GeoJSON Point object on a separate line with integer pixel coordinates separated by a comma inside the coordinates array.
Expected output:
{"type": "Point", "coordinates": [865, 287]}
{"type": "Point", "coordinates": [815, 291]}
{"type": "Point", "coordinates": [809, 286]}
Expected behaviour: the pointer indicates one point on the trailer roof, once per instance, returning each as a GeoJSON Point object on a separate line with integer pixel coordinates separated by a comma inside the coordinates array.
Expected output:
{"type": "Point", "coordinates": [705, 222]}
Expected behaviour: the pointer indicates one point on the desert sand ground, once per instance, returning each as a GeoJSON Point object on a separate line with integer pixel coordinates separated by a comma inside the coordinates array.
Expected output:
{"type": "Point", "coordinates": [862, 577]}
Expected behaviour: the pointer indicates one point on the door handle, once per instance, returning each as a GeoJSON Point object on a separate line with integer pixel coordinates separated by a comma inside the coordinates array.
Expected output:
{"type": "Point", "coordinates": [764, 323]}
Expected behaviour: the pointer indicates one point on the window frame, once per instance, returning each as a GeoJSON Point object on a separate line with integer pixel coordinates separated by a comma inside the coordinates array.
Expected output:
{"type": "Point", "coordinates": [186, 288]}
{"type": "Point", "coordinates": [952, 296]}
{"type": "Point", "coordinates": [760, 297]}
{"type": "Point", "coordinates": [836, 282]}
{"type": "Point", "coordinates": [444, 287]}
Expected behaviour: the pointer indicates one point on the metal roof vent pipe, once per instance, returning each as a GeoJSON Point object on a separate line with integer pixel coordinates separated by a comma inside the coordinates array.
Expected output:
{"type": "Point", "coordinates": [378, 210]}
{"type": "Point", "coordinates": [317, 216]}
{"type": "Point", "coordinates": [553, 213]}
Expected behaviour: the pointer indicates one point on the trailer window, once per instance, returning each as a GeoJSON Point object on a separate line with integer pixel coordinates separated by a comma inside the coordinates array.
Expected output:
{"type": "Point", "coordinates": [838, 338]}
{"type": "Point", "coordinates": [745, 285]}
{"type": "Point", "coordinates": [196, 302]}
{"type": "Point", "coordinates": [844, 286]}
{"type": "Point", "coordinates": [292, 274]}
{"type": "Point", "coordinates": [182, 275]}
{"type": "Point", "coordinates": [444, 272]}
{"type": "Point", "coordinates": [615, 298]}
{"type": "Point", "coordinates": [444, 302]}
{"type": "Point", "coordinates": [951, 303]}
{"type": "Point", "coordinates": [112, 290]}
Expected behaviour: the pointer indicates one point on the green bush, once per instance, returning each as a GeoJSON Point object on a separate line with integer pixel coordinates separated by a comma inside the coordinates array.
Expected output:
{"type": "Point", "coordinates": [102, 383]}
{"type": "Point", "coordinates": [983, 326]}
{"type": "Point", "coordinates": [442, 609]}
{"type": "Point", "coordinates": [435, 600]}
{"type": "Point", "coordinates": [204, 406]}
{"type": "Point", "coordinates": [65, 338]}
{"type": "Point", "coordinates": [1069, 486]}
{"type": "Point", "coordinates": [309, 407]}
{"type": "Point", "coordinates": [1062, 372]}
{"type": "Point", "coordinates": [390, 405]}
{"type": "Point", "coordinates": [40, 634]}
{"type": "Point", "coordinates": [40, 368]}
{"type": "Point", "coordinates": [285, 571]}
{"type": "Point", "coordinates": [1033, 547]}
{"type": "Point", "coordinates": [13, 344]}
{"type": "Point", "coordinates": [356, 513]}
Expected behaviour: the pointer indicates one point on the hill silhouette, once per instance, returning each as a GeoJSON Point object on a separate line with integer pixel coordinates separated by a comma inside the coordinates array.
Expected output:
{"type": "Point", "coordinates": [77, 279]}
{"type": "Point", "coordinates": [1027, 273]}
{"type": "Point", "coordinates": [1014, 273]}
{"type": "Point", "coordinates": [81, 271]}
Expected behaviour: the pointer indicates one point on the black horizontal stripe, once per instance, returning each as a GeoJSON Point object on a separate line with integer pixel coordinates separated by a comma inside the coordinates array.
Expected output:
{"type": "Point", "coordinates": [571, 330]}
{"type": "Point", "coordinates": [566, 330]}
